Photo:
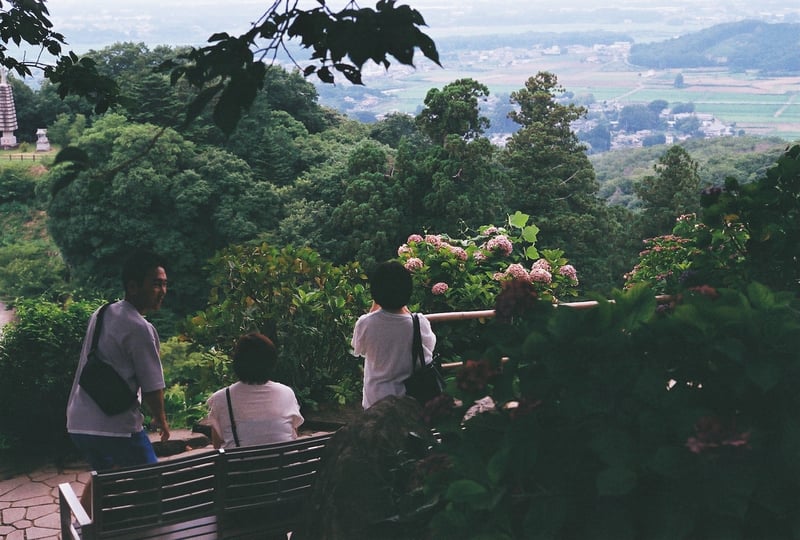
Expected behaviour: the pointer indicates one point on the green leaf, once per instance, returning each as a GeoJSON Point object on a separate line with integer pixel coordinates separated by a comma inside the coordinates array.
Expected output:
{"type": "Point", "coordinates": [518, 219]}
{"type": "Point", "coordinates": [529, 233]}
{"type": "Point", "coordinates": [531, 252]}
{"type": "Point", "coordinates": [498, 465]}
{"type": "Point", "coordinates": [466, 491]}
{"type": "Point", "coordinates": [760, 295]}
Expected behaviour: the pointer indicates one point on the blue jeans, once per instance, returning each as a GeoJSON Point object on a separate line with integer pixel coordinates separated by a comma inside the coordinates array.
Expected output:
{"type": "Point", "coordinates": [104, 453]}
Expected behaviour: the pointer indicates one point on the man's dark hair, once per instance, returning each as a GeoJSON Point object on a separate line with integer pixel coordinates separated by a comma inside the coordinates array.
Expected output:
{"type": "Point", "coordinates": [390, 284]}
{"type": "Point", "coordinates": [254, 358]}
{"type": "Point", "coordinates": [139, 264]}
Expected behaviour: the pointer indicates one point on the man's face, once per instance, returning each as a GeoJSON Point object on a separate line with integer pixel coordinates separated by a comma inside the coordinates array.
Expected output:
{"type": "Point", "coordinates": [148, 295]}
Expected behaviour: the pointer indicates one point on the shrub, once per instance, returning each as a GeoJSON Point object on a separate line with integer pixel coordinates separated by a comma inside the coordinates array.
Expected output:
{"type": "Point", "coordinates": [38, 356]}
{"type": "Point", "coordinates": [306, 305]}
{"type": "Point", "coordinates": [628, 420]}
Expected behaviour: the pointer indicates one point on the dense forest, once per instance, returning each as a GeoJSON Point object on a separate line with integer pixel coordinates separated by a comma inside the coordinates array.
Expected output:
{"type": "Point", "coordinates": [770, 49]}
{"type": "Point", "coordinates": [296, 173]}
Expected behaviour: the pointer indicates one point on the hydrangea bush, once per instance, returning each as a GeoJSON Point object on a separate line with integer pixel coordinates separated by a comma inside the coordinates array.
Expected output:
{"type": "Point", "coordinates": [693, 254]}
{"type": "Point", "coordinates": [454, 274]}
{"type": "Point", "coordinates": [459, 274]}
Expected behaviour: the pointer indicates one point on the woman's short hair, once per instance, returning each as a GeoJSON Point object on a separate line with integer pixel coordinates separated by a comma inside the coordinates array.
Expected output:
{"type": "Point", "coordinates": [254, 358]}
{"type": "Point", "coordinates": [390, 284]}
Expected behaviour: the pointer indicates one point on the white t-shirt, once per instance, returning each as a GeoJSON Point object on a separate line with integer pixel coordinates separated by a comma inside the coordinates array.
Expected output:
{"type": "Point", "coordinates": [130, 344]}
{"type": "Point", "coordinates": [384, 339]}
{"type": "Point", "coordinates": [264, 414]}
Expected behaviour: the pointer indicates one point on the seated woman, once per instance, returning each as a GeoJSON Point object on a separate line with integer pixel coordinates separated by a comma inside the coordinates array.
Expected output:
{"type": "Point", "coordinates": [254, 410]}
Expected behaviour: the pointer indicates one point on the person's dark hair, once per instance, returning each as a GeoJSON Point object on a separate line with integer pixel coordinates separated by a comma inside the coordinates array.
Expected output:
{"type": "Point", "coordinates": [390, 284]}
{"type": "Point", "coordinates": [254, 358]}
{"type": "Point", "coordinates": [138, 264]}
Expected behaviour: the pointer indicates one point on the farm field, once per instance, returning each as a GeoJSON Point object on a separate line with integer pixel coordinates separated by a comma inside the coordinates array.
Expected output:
{"type": "Point", "coordinates": [757, 105]}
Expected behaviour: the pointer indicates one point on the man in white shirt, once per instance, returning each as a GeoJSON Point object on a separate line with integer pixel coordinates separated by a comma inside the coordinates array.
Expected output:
{"type": "Point", "coordinates": [130, 344]}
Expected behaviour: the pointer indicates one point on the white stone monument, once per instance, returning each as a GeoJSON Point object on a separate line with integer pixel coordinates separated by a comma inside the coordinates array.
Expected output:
{"type": "Point", "coordinates": [42, 144]}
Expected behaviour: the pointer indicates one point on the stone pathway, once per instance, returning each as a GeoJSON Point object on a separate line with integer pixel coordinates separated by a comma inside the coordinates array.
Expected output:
{"type": "Point", "coordinates": [29, 502]}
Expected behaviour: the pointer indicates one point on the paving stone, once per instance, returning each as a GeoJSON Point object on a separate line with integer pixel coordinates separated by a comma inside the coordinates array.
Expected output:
{"type": "Point", "coordinates": [12, 515]}
{"type": "Point", "coordinates": [36, 501]}
{"type": "Point", "coordinates": [24, 491]}
{"type": "Point", "coordinates": [35, 512]}
{"type": "Point", "coordinates": [16, 535]}
{"type": "Point", "coordinates": [50, 521]}
{"type": "Point", "coordinates": [12, 484]}
{"type": "Point", "coordinates": [38, 533]}
{"type": "Point", "coordinates": [54, 480]}
{"type": "Point", "coordinates": [5, 530]}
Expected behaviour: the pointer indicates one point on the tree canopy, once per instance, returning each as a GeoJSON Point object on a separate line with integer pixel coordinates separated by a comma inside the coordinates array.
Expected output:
{"type": "Point", "coordinates": [231, 70]}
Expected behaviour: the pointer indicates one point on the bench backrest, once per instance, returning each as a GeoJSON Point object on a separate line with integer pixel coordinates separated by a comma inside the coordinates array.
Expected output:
{"type": "Point", "coordinates": [172, 491]}
{"type": "Point", "coordinates": [267, 484]}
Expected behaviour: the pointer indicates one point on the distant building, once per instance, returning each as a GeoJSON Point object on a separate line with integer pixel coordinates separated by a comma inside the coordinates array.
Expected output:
{"type": "Point", "coordinates": [8, 113]}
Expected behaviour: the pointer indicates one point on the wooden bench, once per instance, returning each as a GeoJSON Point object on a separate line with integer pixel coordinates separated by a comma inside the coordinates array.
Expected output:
{"type": "Point", "coordinates": [249, 492]}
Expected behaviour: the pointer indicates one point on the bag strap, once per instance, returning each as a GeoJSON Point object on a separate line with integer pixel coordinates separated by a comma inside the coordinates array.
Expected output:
{"type": "Point", "coordinates": [230, 412]}
{"type": "Point", "coordinates": [98, 325]}
{"type": "Point", "coordinates": [416, 346]}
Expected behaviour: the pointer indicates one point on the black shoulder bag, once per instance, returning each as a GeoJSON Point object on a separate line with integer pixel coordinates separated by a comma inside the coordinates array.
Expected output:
{"type": "Point", "coordinates": [101, 381]}
{"type": "Point", "coordinates": [425, 382]}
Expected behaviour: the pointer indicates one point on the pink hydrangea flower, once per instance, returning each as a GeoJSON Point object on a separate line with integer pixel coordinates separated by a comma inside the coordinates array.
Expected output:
{"type": "Point", "coordinates": [490, 230]}
{"type": "Point", "coordinates": [414, 238]}
{"type": "Point", "coordinates": [500, 243]}
{"type": "Point", "coordinates": [413, 264]}
{"type": "Point", "coordinates": [517, 271]}
{"type": "Point", "coordinates": [541, 275]}
{"type": "Point", "coordinates": [479, 256]}
{"type": "Point", "coordinates": [402, 250]}
{"type": "Point", "coordinates": [543, 264]}
{"type": "Point", "coordinates": [460, 253]}
{"type": "Point", "coordinates": [440, 288]}
{"type": "Point", "coordinates": [569, 271]}
{"type": "Point", "coordinates": [434, 240]}
{"type": "Point", "coordinates": [498, 276]}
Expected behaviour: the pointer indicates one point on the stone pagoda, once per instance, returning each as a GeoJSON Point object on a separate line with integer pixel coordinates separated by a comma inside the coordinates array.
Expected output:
{"type": "Point", "coordinates": [8, 113]}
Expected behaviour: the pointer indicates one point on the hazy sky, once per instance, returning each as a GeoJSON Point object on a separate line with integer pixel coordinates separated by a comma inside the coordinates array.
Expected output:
{"type": "Point", "coordinates": [97, 23]}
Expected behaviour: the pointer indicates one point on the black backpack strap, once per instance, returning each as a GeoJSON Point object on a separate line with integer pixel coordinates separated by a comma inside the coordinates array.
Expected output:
{"type": "Point", "coordinates": [230, 412]}
{"type": "Point", "coordinates": [98, 325]}
{"type": "Point", "coordinates": [416, 346]}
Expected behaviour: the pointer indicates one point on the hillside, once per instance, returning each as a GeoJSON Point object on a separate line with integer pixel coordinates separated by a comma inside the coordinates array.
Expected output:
{"type": "Point", "coordinates": [770, 49]}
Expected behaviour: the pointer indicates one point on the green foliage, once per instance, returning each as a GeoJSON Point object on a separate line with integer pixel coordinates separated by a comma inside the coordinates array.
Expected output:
{"type": "Point", "coordinates": [38, 356]}
{"type": "Point", "coordinates": [553, 181]}
{"type": "Point", "coordinates": [191, 374]}
{"type": "Point", "coordinates": [305, 304]}
{"type": "Point", "coordinates": [769, 209]}
{"type": "Point", "coordinates": [748, 232]}
{"type": "Point", "coordinates": [161, 193]}
{"type": "Point", "coordinates": [673, 191]}
{"type": "Point", "coordinates": [32, 269]}
{"type": "Point", "coordinates": [627, 421]}
{"type": "Point", "coordinates": [454, 110]}
{"type": "Point", "coordinates": [693, 254]}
